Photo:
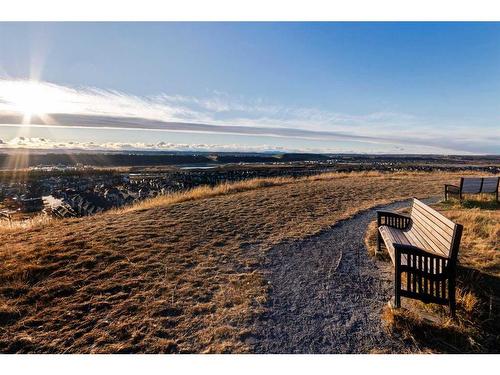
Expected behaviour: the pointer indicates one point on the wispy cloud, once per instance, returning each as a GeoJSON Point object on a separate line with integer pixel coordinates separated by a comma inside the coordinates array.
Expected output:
{"type": "Point", "coordinates": [56, 105]}
{"type": "Point", "coordinates": [40, 143]}
{"type": "Point", "coordinates": [49, 144]}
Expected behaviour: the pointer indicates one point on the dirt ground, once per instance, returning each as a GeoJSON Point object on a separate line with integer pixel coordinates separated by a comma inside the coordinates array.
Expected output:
{"type": "Point", "coordinates": [327, 294]}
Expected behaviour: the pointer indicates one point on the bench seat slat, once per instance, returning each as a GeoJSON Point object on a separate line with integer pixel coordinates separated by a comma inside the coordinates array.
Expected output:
{"type": "Point", "coordinates": [416, 240]}
{"type": "Point", "coordinates": [389, 236]}
{"type": "Point", "coordinates": [401, 238]}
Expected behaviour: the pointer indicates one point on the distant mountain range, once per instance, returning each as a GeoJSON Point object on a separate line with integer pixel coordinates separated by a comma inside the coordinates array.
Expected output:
{"type": "Point", "coordinates": [24, 158]}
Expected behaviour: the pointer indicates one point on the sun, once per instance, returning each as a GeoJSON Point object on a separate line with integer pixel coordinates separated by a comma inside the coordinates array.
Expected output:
{"type": "Point", "coordinates": [31, 99]}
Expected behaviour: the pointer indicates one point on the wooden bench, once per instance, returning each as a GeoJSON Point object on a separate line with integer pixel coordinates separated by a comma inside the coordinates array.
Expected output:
{"type": "Point", "coordinates": [473, 185]}
{"type": "Point", "coordinates": [424, 248]}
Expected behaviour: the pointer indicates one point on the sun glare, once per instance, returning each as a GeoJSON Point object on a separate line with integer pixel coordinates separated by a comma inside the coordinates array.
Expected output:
{"type": "Point", "coordinates": [30, 98]}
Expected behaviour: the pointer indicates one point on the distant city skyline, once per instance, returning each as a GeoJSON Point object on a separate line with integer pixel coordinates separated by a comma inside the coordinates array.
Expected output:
{"type": "Point", "coordinates": [298, 87]}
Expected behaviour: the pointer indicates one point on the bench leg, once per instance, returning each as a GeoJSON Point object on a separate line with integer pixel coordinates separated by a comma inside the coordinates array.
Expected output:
{"type": "Point", "coordinates": [453, 309]}
{"type": "Point", "coordinates": [445, 193]}
{"type": "Point", "coordinates": [397, 299]}
{"type": "Point", "coordinates": [397, 288]}
{"type": "Point", "coordinates": [452, 298]}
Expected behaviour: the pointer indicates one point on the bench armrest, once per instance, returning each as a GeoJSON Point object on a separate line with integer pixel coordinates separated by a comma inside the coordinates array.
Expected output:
{"type": "Point", "coordinates": [400, 250]}
{"type": "Point", "coordinates": [451, 187]}
{"type": "Point", "coordinates": [393, 219]}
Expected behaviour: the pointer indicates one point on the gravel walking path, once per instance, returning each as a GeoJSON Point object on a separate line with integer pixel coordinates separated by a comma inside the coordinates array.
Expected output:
{"type": "Point", "coordinates": [327, 293]}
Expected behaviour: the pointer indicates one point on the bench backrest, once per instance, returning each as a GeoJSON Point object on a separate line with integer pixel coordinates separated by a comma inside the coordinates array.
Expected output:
{"type": "Point", "coordinates": [490, 184]}
{"type": "Point", "coordinates": [433, 232]}
{"type": "Point", "coordinates": [471, 185]}
{"type": "Point", "coordinates": [476, 185]}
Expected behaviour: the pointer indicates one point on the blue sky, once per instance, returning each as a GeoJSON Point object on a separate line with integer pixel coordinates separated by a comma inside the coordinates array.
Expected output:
{"type": "Point", "coordinates": [331, 87]}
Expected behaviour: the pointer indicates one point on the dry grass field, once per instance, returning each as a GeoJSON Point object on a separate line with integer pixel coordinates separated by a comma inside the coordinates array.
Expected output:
{"type": "Point", "coordinates": [180, 273]}
{"type": "Point", "coordinates": [477, 327]}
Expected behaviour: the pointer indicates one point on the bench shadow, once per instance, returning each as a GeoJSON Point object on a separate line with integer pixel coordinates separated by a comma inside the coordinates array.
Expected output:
{"type": "Point", "coordinates": [486, 203]}
{"type": "Point", "coordinates": [483, 205]}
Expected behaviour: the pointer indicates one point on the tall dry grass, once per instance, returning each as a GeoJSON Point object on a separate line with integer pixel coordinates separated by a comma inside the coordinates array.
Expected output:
{"type": "Point", "coordinates": [480, 245]}
{"type": "Point", "coordinates": [39, 220]}
{"type": "Point", "coordinates": [203, 192]}
{"type": "Point", "coordinates": [225, 188]}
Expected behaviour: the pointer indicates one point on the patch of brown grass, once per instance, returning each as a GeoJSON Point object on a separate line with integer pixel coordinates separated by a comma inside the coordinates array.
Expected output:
{"type": "Point", "coordinates": [205, 191]}
{"type": "Point", "coordinates": [38, 220]}
{"type": "Point", "coordinates": [371, 242]}
{"type": "Point", "coordinates": [477, 327]}
{"type": "Point", "coordinates": [480, 245]}
{"type": "Point", "coordinates": [225, 188]}
{"type": "Point", "coordinates": [176, 274]}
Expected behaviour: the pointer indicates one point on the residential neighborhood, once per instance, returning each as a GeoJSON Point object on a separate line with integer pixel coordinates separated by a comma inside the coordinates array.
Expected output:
{"type": "Point", "coordinates": [61, 191]}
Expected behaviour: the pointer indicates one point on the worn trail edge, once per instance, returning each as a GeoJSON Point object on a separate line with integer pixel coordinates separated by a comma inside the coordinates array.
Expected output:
{"type": "Point", "coordinates": [327, 293]}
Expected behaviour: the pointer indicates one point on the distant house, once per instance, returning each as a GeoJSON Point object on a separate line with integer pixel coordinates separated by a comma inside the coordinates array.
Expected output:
{"type": "Point", "coordinates": [86, 204]}
{"type": "Point", "coordinates": [114, 196]}
{"type": "Point", "coordinates": [32, 204]}
{"type": "Point", "coordinates": [128, 198]}
{"type": "Point", "coordinates": [6, 214]}
{"type": "Point", "coordinates": [24, 204]}
{"type": "Point", "coordinates": [143, 193]}
{"type": "Point", "coordinates": [63, 211]}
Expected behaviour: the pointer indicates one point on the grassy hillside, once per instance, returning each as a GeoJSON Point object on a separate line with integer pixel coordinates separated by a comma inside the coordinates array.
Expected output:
{"type": "Point", "coordinates": [175, 274]}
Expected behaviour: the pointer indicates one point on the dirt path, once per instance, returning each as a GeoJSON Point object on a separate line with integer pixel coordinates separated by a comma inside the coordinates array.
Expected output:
{"type": "Point", "coordinates": [326, 294]}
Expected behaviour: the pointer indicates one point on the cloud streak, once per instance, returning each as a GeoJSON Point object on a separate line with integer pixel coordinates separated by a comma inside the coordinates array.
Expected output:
{"type": "Point", "coordinates": [97, 108]}
{"type": "Point", "coordinates": [49, 144]}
